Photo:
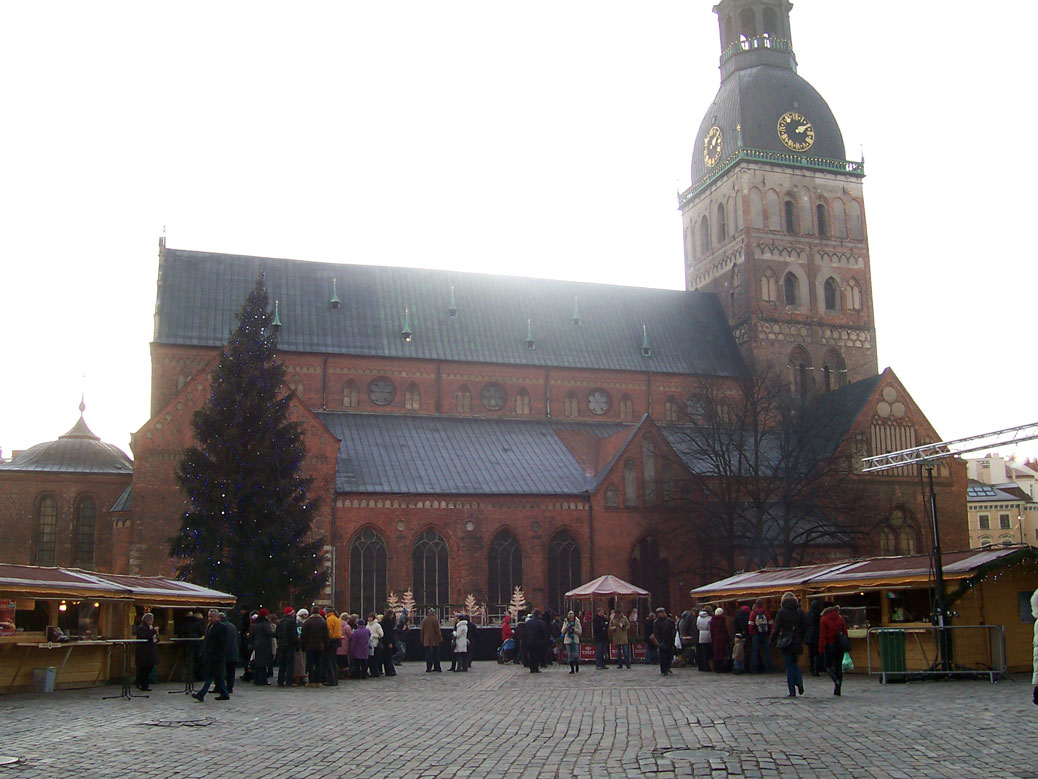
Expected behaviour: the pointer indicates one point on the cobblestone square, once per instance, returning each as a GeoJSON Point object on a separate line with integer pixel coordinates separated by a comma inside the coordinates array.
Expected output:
{"type": "Point", "coordinates": [503, 721]}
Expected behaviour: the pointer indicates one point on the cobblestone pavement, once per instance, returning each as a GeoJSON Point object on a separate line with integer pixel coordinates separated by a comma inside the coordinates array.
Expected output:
{"type": "Point", "coordinates": [503, 721]}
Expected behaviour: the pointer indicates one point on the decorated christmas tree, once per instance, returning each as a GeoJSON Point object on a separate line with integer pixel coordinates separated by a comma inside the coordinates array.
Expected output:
{"type": "Point", "coordinates": [471, 606]}
{"type": "Point", "coordinates": [393, 603]}
{"type": "Point", "coordinates": [247, 530]}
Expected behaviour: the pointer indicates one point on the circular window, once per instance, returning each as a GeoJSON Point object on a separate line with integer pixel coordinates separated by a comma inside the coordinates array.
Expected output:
{"type": "Point", "coordinates": [598, 401]}
{"type": "Point", "coordinates": [470, 525]}
{"type": "Point", "coordinates": [493, 397]}
{"type": "Point", "coordinates": [381, 392]}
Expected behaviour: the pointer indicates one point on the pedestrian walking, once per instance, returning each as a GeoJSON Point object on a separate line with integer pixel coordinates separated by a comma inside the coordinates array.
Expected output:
{"type": "Point", "coordinates": [571, 631]}
{"type": "Point", "coordinates": [704, 651]}
{"type": "Point", "coordinates": [214, 653]}
{"type": "Point", "coordinates": [832, 642]}
{"type": "Point", "coordinates": [619, 627]}
{"type": "Point", "coordinates": [811, 636]}
{"type": "Point", "coordinates": [663, 631]}
{"type": "Point", "coordinates": [788, 637]}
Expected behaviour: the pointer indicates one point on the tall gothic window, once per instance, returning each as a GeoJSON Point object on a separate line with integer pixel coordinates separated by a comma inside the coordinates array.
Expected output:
{"type": "Point", "coordinates": [790, 215]}
{"type": "Point", "coordinates": [463, 400]}
{"type": "Point", "coordinates": [504, 568]}
{"type": "Point", "coordinates": [630, 485]}
{"type": "Point", "coordinates": [651, 571]}
{"type": "Point", "coordinates": [649, 472]}
{"type": "Point", "coordinates": [800, 364]}
{"type": "Point", "coordinates": [431, 570]}
{"type": "Point", "coordinates": [571, 405]}
{"type": "Point", "coordinates": [823, 221]}
{"type": "Point", "coordinates": [368, 588]}
{"type": "Point", "coordinates": [832, 294]}
{"type": "Point", "coordinates": [350, 394]}
{"type": "Point", "coordinates": [768, 288]}
{"type": "Point", "coordinates": [86, 519]}
{"type": "Point", "coordinates": [412, 398]}
{"type": "Point", "coordinates": [46, 531]}
{"type": "Point", "coordinates": [522, 403]}
{"type": "Point", "coordinates": [791, 289]}
{"type": "Point", "coordinates": [626, 407]}
{"type": "Point", "coordinates": [612, 500]}
{"type": "Point", "coordinates": [563, 569]}
{"type": "Point", "coordinates": [722, 224]}
{"type": "Point", "coordinates": [670, 410]}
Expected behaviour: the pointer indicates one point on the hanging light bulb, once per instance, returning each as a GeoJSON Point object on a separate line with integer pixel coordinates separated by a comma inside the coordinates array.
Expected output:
{"type": "Point", "coordinates": [62, 607]}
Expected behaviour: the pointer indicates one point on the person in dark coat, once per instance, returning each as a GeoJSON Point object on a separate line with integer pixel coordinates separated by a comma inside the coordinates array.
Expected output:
{"type": "Point", "coordinates": [663, 630]}
{"type": "Point", "coordinates": [314, 639]}
{"type": "Point", "coordinates": [535, 641]}
{"type": "Point", "coordinates": [788, 636]}
{"type": "Point", "coordinates": [741, 623]}
{"type": "Point", "coordinates": [214, 654]}
{"type": "Point", "coordinates": [432, 637]}
{"type": "Point", "coordinates": [192, 626]}
{"type": "Point", "coordinates": [389, 640]}
{"type": "Point", "coordinates": [147, 654]}
{"type": "Point", "coordinates": [719, 640]}
{"type": "Point", "coordinates": [652, 657]}
{"type": "Point", "coordinates": [243, 648]}
{"type": "Point", "coordinates": [231, 653]}
{"type": "Point", "coordinates": [261, 635]}
{"type": "Point", "coordinates": [288, 642]}
{"type": "Point", "coordinates": [830, 626]}
{"type": "Point", "coordinates": [814, 616]}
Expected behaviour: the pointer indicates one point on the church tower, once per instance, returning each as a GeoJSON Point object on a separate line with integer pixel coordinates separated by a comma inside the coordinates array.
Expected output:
{"type": "Point", "coordinates": [774, 222]}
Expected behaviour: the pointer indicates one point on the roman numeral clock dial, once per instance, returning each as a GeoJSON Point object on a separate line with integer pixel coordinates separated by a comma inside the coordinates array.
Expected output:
{"type": "Point", "coordinates": [796, 131]}
{"type": "Point", "coordinates": [712, 145]}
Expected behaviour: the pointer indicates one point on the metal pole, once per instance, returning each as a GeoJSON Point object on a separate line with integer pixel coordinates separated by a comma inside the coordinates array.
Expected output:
{"type": "Point", "coordinates": [942, 636]}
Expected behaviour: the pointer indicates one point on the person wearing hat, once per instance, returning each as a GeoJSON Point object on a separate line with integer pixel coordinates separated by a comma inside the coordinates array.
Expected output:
{"type": "Point", "coordinates": [663, 632]}
{"type": "Point", "coordinates": [214, 650]}
{"type": "Point", "coordinates": [262, 635]}
{"type": "Point", "coordinates": [288, 642]}
{"type": "Point", "coordinates": [719, 639]}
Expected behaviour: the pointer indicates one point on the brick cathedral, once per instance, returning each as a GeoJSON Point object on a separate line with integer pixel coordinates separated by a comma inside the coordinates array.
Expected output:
{"type": "Point", "coordinates": [468, 433]}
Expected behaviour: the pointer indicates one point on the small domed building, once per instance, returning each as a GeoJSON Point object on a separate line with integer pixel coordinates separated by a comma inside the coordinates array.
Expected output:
{"type": "Point", "coordinates": [61, 499]}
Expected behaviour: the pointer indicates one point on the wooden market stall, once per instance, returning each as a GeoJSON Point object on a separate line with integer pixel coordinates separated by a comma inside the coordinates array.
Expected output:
{"type": "Point", "coordinates": [615, 591]}
{"type": "Point", "coordinates": [889, 599]}
{"type": "Point", "coordinates": [67, 619]}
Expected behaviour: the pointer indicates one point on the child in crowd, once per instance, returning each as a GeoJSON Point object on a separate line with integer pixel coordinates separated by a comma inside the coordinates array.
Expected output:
{"type": "Point", "coordinates": [739, 654]}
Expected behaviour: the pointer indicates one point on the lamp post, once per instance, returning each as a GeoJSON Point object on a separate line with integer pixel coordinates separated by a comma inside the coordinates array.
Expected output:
{"type": "Point", "coordinates": [938, 566]}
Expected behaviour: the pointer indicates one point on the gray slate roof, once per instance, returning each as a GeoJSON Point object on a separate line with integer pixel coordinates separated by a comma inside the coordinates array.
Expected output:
{"type": "Point", "coordinates": [78, 451]}
{"type": "Point", "coordinates": [414, 455]}
{"type": "Point", "coordinates": [199, 294]}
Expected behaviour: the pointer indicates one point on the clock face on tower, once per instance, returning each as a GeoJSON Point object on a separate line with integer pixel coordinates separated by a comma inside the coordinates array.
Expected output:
{"type": "Point", "coordinates": [796, 131]}
{"type": "Point", "coordinates": [712, 145]}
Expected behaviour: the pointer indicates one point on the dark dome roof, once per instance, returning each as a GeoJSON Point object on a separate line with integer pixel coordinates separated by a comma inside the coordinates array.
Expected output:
{"type": "Point", "coordinates": [78, 451]}
{"type": "Point", "coordinates": [755, 98]}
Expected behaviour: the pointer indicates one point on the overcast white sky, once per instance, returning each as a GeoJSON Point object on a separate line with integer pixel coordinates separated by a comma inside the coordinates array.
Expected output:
{"type": "Point", "coordinates": [546, 139]}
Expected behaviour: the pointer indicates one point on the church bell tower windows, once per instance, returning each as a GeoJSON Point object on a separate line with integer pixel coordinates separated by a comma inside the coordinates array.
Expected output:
{"type": "Point", "coordinates": [823, 220]}
{"type": "Point", "coordinates": [722, 224]}
{"type": "Point", "coordinates": [831, 293]}
{"type": "Point", "coordinates": [789, 212]}
{"type": "Point", "coordinates": [791, 289]}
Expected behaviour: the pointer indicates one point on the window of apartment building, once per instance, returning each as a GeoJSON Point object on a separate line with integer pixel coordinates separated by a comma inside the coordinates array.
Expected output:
{"type": "Point", "coordinates": [1003, 522]}
{"type": "Point", "coordinates": [984, 521]}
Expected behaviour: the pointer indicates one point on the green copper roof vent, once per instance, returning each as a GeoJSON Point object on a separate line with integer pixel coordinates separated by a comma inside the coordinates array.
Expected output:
{"type": "Point", "coordinates": [276, 324]}
{"type": "Point", "coordinates": [646, 349]}
{"type": "Point", "coordinates": [406, 334]}
{"type": "Point", "coordinates": [576, 312]}
{"type": "Point", "coordinates": [335, 296]}
{"type": "Point", "coordinates": [530, 343]}
{"type": "Point", "coordinates": [452, 310]}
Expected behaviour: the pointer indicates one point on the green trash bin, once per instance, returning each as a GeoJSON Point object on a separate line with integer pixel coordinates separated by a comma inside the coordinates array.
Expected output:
{"type": "Point", "coordinates": [892, 653]}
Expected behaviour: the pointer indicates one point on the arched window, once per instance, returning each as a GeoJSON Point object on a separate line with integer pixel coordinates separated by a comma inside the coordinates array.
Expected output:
{"type": "Point", "coordinates": [834, 370]}
{"type": "Point", "coordinates": [522, 403]}
{"type": "Point", "coordinates": [626, 407]}
{"type": "Point", "coordinates": [722, 224]}
{"type": "Point", "coordinates": [887, 542]}
{"type": "Point", "coordinates": [86, 520]}
{"type": "Point", "coordinates": [839, 219]}
{"type": "Point", "coordinates": [412, 397]}
{"type": "Point", "coordinates": [431, 570]}
{"type": "Point", "coordinates": [649, 472]}
{"type": "Point", "coordinates": [756, 209]}
{"type": "Point", "coordinates": [504, 568]}
{"type": "Point", "coordinates": [852, 296]}
{"type": "Point", "coordinates": [46, 531]}
{"type": "Point", "coordinates": [774, 211]}
{"type": "Point", "coordinates": [571, 405]}
{"type": "Point", "coordinates": [350, 394]}
{"type": "Point", "coordinates": [790, 212]}
{"type": "Point", "coordinates": [831, 293]}
{"type": "Point", "coordinates": [857, 221]}
{"type": "Point", "coordinates": [612, 500]}
{"type": "Point", "coordinates": [704, 235]}
{"type": "Point", "coordinates": [670, 410]}
{"type": "Point", "coordinates": [791, 289]}
{"type": "Point", "coordinates": [771, 23]}
{"type": "Point", "coordinates": [651, 571]}
{"type": "Point", "coordinates": [823, 221]}
{"type": "Point", "coordinates": [768, 288]}
{"type": "Point", "coordinates": [800, 364]}
{"type": "Point", "coordinates": [563, 569]}
{"type": "Point", "coordinates": [630, 485]}
{"type": "Point", "coordinates": [463, 400]}
{"type": "Point", "coordinates": [368, 589]}
{"type": "Point", "coordinates": [899, 535]}
{"type": "Point", "coordinates": [747, 23]}
{"type": "Point", "coordinates": [688, 244]}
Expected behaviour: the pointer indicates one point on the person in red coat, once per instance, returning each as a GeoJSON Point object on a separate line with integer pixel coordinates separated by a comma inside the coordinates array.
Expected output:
{"type": "Point", "coordinates": [506, 628]}
{"type": "Point", "coordinates": [830, 627]}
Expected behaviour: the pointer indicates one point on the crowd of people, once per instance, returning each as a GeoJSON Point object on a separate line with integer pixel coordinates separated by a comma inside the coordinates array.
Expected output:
{"type": "Point", "coordinates": [302, 648]}
{"type": "Point", "coordinates": [320, 647]}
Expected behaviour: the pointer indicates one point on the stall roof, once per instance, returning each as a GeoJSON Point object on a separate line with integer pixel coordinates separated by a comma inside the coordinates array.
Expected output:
{"type": "Point", "coordinates": [868, 573]}
{"type": "Point", "coordinates": [157, 590]}
{"type": "Point", "coordinates": [607, 586]}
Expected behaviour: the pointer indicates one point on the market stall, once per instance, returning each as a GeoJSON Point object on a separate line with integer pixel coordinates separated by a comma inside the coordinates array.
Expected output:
{"type": "Point", "coordinates": [886, 602]}
{"type": "Point", "coordinates": [58, 625]}
{"type": "Point", "coordinates": [611, 592]}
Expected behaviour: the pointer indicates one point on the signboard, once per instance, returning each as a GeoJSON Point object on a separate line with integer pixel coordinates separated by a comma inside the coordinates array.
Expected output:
{"type": "Point", "coordinates": [587, 652]}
